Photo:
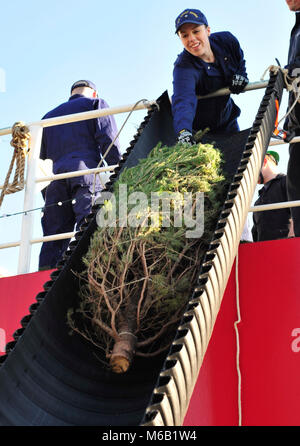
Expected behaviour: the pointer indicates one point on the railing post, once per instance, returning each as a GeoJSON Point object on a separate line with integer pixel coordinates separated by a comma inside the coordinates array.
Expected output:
{"type": "Point", "coordinates": [36, 132]}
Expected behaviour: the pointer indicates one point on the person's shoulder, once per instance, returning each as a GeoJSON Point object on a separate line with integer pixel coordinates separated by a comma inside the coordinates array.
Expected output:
{"type": "Point", "coordinates": [281, 177]}
{"type": "Point", "coordinates": [102, 103]}
{"type": "Point", "coordinates": [79, 100]}
{"type": "Point", "coordinates": [76, 104]}
{"type": "Point", "coordinates": [184, 59]}
{"type": "Point", "coordinates": [52, 113]}
{"type": "Point", "coordinates": [278, 181]}
{"type": "Point", "coordinates": [223, 37]}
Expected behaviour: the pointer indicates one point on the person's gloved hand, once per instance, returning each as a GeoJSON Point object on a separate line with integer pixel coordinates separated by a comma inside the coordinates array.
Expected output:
{"type": "Point", "coordinates": [238, 83]}
{"type": "Point", "coordinates": [289, 135]}
{"type": "Point", "coordinates": [293, 70]}
{"type": "Point", "coordinates": [185, 137]}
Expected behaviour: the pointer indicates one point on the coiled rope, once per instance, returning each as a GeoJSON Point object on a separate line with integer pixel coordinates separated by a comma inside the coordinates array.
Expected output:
{"type": "Point", "coordinates": [20, 138]}
{"type": "Point", "coordinates": [111, 145]}
{"type": "Point", "coordinates": [292, 84]}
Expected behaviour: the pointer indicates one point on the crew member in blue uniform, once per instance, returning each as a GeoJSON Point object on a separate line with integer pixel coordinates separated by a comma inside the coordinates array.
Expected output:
{"type": "Point", "coordinates": [292, 124]}
{"type": "Point", "coordinates": [275, 224]}
{"type": "Point", "coordinates": [72, 147]}
{"type": "Point", "coordinates": [209, 61]}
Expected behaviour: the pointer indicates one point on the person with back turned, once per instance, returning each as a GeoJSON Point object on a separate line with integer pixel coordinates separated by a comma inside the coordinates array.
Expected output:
{"type": "Point", "coordinates": [74, 146]}
{"type": "Point", "coordinates": [273, 224]}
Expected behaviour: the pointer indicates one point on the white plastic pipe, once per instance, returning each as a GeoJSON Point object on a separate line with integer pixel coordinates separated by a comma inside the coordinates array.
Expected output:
{"type": "Point", "coordinates": [274, 206]}
{"type": "Point", "coordinates": [10, 245]}
{"type": "Point", "coordinates": [47, 238]}
{"type": "Point", "coordinates": [278, 142]}
{"type": "Point", "coordinates": [85, 115]}
{"type": "Point", "coordinates": [36, 132]}
{"type": "Point", "coordinates": [225, 91]}
{"type": "Point", "coordinates": [50, 238]}
{"type": "Point", "coordinates": [77, 173]}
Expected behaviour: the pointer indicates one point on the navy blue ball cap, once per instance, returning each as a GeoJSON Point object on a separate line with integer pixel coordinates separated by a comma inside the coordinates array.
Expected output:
{"type": "Point", "coordinates": [83, 83]}
{"type": "Point", "coordinates": [190, 16]}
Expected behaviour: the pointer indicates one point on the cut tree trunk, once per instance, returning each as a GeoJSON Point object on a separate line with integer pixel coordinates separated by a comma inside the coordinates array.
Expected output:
{"type": "Point", "coordinates": [123, 352]}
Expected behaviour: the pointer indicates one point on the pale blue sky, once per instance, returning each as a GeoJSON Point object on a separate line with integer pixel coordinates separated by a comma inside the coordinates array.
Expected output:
{"type": "Point", "coordinates": [128, 50]}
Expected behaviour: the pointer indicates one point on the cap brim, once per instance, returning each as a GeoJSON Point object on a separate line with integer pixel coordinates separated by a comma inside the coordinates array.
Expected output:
{"type": "Point", "coordinates": [188, 21]}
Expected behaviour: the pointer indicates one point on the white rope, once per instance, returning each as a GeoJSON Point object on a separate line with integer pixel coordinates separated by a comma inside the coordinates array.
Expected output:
{"type": "Point", "coordinates": [112, 143]}
{"type": "Point", "coordinates": [238, 341]}
{"type": "Point", "coordinates": [297, 97]}
{"type": "Point", "coordinates": [291, 84]}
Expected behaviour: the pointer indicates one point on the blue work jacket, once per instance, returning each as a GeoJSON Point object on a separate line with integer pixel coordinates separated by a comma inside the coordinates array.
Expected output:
{"type": "Point", "coordinates": [79, 145]}
{"type": "Point", "coordinates": [192, 76]}
{"type": "Point", "coordinates": [292, 121]}
{"type": "Point", "coordinates": [294, 49]}
{"type": "Point", "coordinates": [272, 225]}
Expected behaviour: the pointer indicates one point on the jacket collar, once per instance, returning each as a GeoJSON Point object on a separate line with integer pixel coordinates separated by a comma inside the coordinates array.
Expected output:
{"type": "Point", "coordinates": [75, 96]}
{"type": "Point", "coordinates": [268, 184]}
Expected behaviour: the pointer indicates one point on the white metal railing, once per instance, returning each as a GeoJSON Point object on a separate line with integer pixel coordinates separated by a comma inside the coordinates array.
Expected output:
{"type": "Point", "coordinates": [77, 173]}
{"type": "Point", "coordinates": [278, 142]}
{"type": "Point", "coordinates": [275, 206]}
{"type": "Point", "coordinates": [225, 91]}
{"type": "Point", "coordinates": [32, 179]}
{"type": "Point", "coordinates": [142, 105]}
{"type": "Point", "coordinates": [40, 240]}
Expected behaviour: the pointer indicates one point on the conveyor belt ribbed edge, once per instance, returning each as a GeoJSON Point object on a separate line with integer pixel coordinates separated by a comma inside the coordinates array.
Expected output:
{"type": "Point", "coordinates": [171, 396]}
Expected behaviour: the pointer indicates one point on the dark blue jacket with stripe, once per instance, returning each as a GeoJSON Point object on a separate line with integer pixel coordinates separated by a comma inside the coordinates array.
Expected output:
{"type": "Point", "coordinates": [192, 77]}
